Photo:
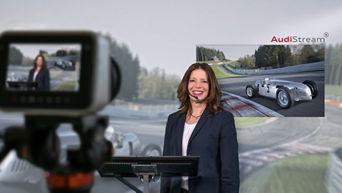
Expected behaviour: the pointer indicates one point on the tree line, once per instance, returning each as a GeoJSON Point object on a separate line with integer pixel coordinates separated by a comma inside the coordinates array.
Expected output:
{"type": "Point", "coordinates": [157, 84]}
{"type": "Point", "coordinates": [137, 81]}
{"type": "Point", "coordinates": [15, 56]}
{"type": "Point", "coordinates": [208, 54]}
{"type": "Point", "coordinates": [333, 62]}
{"type": "Point", "coordinates": [277, 56]}
{"type": "Point", "coordinates": [129, 67]}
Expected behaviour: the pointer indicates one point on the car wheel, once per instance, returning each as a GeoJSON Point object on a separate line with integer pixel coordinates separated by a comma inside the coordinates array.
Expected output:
{"type": "Point", "coordinates": [313, 87]}
{"type": "Point", "coordinates": [284, 98]}
{"type": "Point", "coordinates": [151, 150]}
{"type": "Point", "coordinates": [250, 91]}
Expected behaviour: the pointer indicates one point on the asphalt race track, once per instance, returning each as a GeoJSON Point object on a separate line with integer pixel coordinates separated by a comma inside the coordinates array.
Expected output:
{"type": "Point", "coordinates": [313, 108]}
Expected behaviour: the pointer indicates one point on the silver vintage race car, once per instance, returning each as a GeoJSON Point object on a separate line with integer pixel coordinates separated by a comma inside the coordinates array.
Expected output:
{"type": "Point", "coordinates": [285, 92]}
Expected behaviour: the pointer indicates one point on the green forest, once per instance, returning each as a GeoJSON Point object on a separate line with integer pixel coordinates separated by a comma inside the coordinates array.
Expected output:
{"type": "Point", "coordinates": [156, 83]}
{"type": "Point", "coordinates": [208, 54]}
{"type": "Point", "coordinates": [268, 56]}
{"type": "Point", "coordinates": [137, 81]}
{"type": "Point", "coordinates": [278, 56]}
{"type": "Point", "coordinates": [333, 62]}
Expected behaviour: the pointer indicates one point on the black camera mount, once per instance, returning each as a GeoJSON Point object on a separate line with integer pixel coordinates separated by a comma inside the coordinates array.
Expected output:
{"type": "Point", "coordinates": [38, 143]}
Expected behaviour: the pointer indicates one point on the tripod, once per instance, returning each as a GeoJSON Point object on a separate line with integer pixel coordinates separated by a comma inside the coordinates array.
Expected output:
{"type": "Point", "coordinates": [38, 143]}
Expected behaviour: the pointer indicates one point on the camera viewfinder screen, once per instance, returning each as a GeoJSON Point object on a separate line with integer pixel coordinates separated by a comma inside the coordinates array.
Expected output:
{"type": "Point", "coordinates": [44, 67]}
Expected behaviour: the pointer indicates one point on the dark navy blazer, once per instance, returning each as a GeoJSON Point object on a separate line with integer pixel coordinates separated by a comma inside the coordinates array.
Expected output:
{"type": "Point", "coordinates": [42, 79]}
{"type": "Point", "coordinates": [214, 140]}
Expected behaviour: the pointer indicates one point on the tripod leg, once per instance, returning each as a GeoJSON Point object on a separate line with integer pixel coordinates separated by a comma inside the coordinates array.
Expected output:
{"type": "Point", "coordinates": [127, 183]}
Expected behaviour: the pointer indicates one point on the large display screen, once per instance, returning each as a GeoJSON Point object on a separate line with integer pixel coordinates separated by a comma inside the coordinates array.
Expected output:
{"type": "Point", "coordinates": [268, 80]}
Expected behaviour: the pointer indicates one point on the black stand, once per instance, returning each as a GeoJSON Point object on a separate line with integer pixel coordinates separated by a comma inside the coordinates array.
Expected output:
{"type": "Point", "coordinates": [38, 143]}
{"type": "Point", "coordinates": [148, 168]}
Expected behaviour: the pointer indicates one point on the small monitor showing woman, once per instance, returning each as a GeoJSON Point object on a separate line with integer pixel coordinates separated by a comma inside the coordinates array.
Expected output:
{"type": "Point", "coordinates": [40, 74]}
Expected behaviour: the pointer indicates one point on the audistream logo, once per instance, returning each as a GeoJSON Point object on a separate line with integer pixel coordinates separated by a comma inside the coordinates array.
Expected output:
{"type": "Point", "coordinates": [297, 39]}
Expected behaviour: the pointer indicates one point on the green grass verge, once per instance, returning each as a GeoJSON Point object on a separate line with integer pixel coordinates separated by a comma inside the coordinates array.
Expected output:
{"type": "Point", "coordinates": [234, 64]}
{"type": "Point", "coordinates": [66, 86]}
{"type": "Point", "coordinates": [333, 90]}
{"type": "Point", "coordinates": [300, 174]}
{"type": "Point", "coordinates": [220, 74]}
{"type": "Point", "coordinates": [249, 121]}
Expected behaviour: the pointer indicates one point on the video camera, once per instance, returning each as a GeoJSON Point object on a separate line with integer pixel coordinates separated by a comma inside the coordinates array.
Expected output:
{"type": "Point", "coordinates": [92, 82]}
{"type": "Point", "coordinates": [54, 78]}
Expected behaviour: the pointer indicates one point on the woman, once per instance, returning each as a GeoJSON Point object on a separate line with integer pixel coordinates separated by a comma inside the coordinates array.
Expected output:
{"type": "Point", "coordinates": [202, 128]}
{"type": "Point", "coordinates": [40, 74]}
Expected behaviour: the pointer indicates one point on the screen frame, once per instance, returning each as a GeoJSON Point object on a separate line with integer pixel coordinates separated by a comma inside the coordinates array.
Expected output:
{"type": "Point", "coordinates": [59, 99]}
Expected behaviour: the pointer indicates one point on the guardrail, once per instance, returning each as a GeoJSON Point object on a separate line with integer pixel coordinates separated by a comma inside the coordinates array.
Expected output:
{"type": "Point", "coordinates": [140, 111]}
{"type": "Point", "coordinates": [317, 66]}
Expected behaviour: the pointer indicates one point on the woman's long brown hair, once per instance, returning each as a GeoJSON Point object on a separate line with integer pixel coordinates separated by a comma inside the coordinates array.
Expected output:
{"type": "Point", "coordinates": [214, 93]}
{"type": "Point", "coordinates": [35, 62]}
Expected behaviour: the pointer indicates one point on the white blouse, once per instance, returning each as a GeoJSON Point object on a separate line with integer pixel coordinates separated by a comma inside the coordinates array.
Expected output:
{"type": "Point", "coordinates": [35, 76]}
{"type": "Point", "coordinates": [188, 129]}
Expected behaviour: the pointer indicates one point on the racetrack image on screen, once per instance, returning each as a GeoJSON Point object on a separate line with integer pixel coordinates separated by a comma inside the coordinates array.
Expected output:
{"type": "Point", "coordinates": [60, 69]}
{"type": "Point", "coordinates": [268, 80]}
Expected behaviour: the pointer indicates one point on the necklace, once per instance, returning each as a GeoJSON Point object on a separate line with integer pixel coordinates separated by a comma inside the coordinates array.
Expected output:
{"type": "Point", "coordinates": [196, 117]}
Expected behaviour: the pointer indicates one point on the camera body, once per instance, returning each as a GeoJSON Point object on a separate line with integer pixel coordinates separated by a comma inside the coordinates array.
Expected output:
{"type": "Point", "coordinates": [74, 79]}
